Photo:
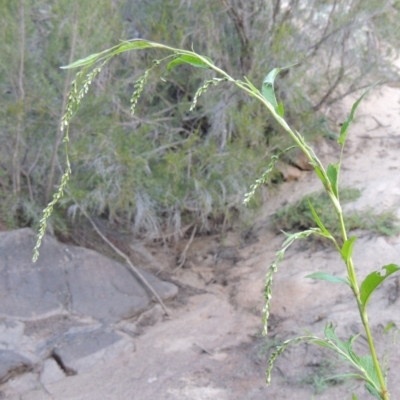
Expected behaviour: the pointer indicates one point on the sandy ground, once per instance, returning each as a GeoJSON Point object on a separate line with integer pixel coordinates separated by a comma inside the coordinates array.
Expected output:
{"type": "Point", "coordinates": [210, 348]}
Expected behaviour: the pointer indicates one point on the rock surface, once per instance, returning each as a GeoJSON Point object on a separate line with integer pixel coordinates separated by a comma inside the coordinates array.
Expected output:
{"type": "Point", "coordinates": [58, 316]}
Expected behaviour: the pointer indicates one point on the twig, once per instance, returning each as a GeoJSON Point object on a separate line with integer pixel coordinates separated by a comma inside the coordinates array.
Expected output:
{"type": "Point", "coordinates": [379, 124]}
{"type": "Point", "coordinates": [28, 180]}
{"type": "Point", "coordinates": [182, 257]}
{"type": "Point", "coordinates": [125, 257]}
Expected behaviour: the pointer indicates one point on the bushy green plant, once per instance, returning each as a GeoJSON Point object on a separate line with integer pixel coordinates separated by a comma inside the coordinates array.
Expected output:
{"type": "Point", "coordinates": [368, 367]}
{"type": "Point", "coordinates": [136, 173]}
{"type": "Point", "coordinates": [299, 216]}
{"type": "Point", "coordinates": [36, 37]}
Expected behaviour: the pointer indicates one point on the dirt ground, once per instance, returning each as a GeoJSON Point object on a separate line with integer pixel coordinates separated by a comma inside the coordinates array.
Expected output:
{"type": "Point", "coordinates": [210, 347]}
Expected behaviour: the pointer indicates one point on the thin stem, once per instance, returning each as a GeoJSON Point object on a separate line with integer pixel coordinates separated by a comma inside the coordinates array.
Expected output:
{"type": "Point", "coordinates": [364, 318]}
{"type": "Point", "coordinates": [363, 314]}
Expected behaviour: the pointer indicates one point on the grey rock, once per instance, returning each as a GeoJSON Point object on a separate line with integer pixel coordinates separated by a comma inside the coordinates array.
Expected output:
{"type": "Point", "coordinates": [21, 384]}
{"type": "Point", "coordinates": [68, 278]}
{"type": "Point", "coordinates": [107, 290]}
{"type": "Point", "coordinates": [60, 314]}
{"type": "Point", "coordinates": [148, 318]}
{"type": "Point", "coordinates": [51, 372]}
{"type": "Point", "coordinates": [79, 351]}
{"type": "Point", "coordinates": [26, 289]}
{"type": "Point", "coordinates": [12, 364]}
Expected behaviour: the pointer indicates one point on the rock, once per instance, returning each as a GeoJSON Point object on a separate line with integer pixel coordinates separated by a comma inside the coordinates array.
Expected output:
{"type": "Point", "coordinates": [51, 372]}
{"type": "Point", "coordinates": [289, 172]}
{"type": "Point", "coordinates": [59, 315]}
{"type": "Point", "coordinates": [322, 147]}
{"type": "Point", "coordinates": [28, 290]}
{"type": "Point", "coordinates": [79, 351]}
{"type": "Point", "coordinates": [148, 318]}
{"type": "Point", "coordinates": [69, 279]}
{"type": "Point", "coordinates": [297, 158]}
{"type": "Point", "coordinates": [107, 290]}
{"type": "Point", "coordinates": [22, 384]}
{"type": "Point", "coordinates": [13, 364]}
{"type": "Point", "coordinates": [17, 351]}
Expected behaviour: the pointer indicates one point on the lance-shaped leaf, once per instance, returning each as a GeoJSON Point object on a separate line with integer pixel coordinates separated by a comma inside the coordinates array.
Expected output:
{"type": "Point", "coordinates": [84, 61]}
{"type": "Point", "coordinates": [268, 91]}
{"type": "Point", "coordinates": [349, 120]}
{"type": "Point", "coordinates": [323, 276]}
{"type": "Point", "coordinates": [347, 249]}
{"type": "Point", "coordinates": [320, 174]}
{"type": "Point", "coordinates": [133, 45]}
{"type": "Point", "coordinates": [333, 175]}
{"type": "Point", "coordinates": [253, 88]}
{"type": "Point", "coordinates": [318, 220]}
{"type": "Point", "coordinates": [125, 46]}
{"type": "Point", "coordinates": [389, 327]}
{"type": "Point", "coordinates": [373, 280]}
{"type": "Point", "coordinates": [373, 391]}
{"type": "Point", "coordinates": [281, 110]}
{"type": "Point", "coordinates": [189, 59]}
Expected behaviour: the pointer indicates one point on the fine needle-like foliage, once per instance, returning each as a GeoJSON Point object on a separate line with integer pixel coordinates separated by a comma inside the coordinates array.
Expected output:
{"type": "Point", "coordinates": [367, 368]}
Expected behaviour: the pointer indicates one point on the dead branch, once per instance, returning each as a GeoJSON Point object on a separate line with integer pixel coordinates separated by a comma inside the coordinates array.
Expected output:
{"type": "Point", "coordinates": [182, 257]}
{"type": "Point", "coordinates": [123, 255]}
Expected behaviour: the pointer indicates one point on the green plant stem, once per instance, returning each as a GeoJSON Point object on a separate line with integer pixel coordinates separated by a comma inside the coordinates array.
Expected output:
{"type": "Point", "coordinates": [363, 314]}
{"type": "Point", "coordinates": [364, 318]}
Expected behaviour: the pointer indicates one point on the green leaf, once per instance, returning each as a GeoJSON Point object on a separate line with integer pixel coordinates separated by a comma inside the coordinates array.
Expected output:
{"type": "Point", "coordinates": [373, 280]}
{"type": "Point", "coordinates": [354, 397]}
{"type": "Point", "coordinates": [350, 375]}
{"type": "Point", "coordinates": [280, 110]}
{"type": "Point", "coordinates": [320, 175]}
{"type": "Point", "coordinates": [132, 45]}
{"type": "Point", "coordinates": [345, 350]}
{"type": "Point", "coordinates": [389, 327]}
{"type": "Point", "coordinates": [345, 347]}
{"type": "Point", "coordinates": [83, 62]}
{"type": "Point", "coordinates": [253, 88]}
{"type": "Point", "coordinates": [373, 391]}
{"type": "Point", "coordinates": [347, 249]}
{"type": "Point", "coordinates": [125, 46]}
{"type": "Point", "coordinates": [189, 59]}
{"type": "Point", "coordinates": [327, 277]}
{"type": "Point", "coordinates": [346, 124]}
{"type": "Point", "coordinates": [268, 90]}
{"type": "Point", "coordinates": [318, 220]}
{"type": "Point", "coordinates": [321, 342]}
{"type": "Point", "coordinates": [367, 364]}
{"type": "Point", "coordinates": [333, 175]}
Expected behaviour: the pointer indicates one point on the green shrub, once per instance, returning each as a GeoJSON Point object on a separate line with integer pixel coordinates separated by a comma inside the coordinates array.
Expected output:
{"type": "Point", "coordinates": [136, 173]}
{"type": "Point", "coordinates": [298, 216]}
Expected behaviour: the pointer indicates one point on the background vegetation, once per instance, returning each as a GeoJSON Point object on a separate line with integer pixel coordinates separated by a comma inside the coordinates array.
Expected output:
{"type": "Point", "coordinates": [298, 216]}
{"type": "Point", "coordinates": [166, 169]}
